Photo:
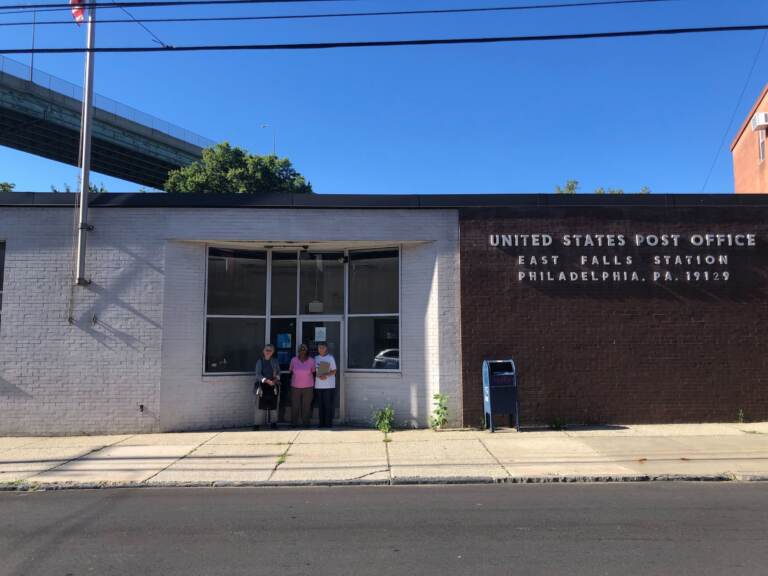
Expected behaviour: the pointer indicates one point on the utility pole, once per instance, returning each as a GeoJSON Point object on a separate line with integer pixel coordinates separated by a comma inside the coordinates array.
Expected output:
{"type": "Point", "coordinates": [85, 151]}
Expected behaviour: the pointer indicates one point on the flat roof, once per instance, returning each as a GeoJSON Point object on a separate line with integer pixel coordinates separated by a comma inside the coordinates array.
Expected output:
{"type": "Point", "coordinates": [349, 201]}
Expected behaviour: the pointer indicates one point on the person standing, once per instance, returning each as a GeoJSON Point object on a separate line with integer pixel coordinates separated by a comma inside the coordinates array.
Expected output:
{"type": "Point", "coordinates": [267, 385]}
{"type": "Point", "coordinates": [325, 384]}
{"type": "Point", "coordinates": [302, 387]}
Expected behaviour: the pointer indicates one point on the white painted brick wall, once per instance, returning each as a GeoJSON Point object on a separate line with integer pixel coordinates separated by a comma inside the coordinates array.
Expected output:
{"type": "Point", "coordinates": [147, 296]}
{"type": "Point", "coordinates": [89, 376]}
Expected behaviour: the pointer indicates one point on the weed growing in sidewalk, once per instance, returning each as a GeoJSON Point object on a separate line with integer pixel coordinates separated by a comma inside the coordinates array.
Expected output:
{"type": "Point", "coordinates": [439, 416]}
{"type": "Point", "coordinates": [384, 419]}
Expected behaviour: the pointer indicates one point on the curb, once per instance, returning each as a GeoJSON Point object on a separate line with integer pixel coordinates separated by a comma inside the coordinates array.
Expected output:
{"type": "Point", "coordinates": [415, 481]}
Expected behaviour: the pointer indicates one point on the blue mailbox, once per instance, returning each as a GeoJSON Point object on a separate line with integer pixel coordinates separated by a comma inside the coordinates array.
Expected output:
{"type": "Point", "coordinates": [500, 391]}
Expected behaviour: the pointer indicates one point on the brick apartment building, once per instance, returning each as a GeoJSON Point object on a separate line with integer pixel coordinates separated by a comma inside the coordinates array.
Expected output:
{"type": "Point", "coordinates": [617, 309]}
{"type": "Point", "coordinates": [750, 165]}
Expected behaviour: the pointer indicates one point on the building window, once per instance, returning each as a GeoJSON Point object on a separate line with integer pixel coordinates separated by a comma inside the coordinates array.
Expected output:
{"type": "Point", "coordinates": [253, 296]}
{"type": "Point", "coordinates": [235, 310]}
{"type": "Point", "coordinates": [373, 343]}
{"type": "Point", "coordinates": [283, 338]}
{"type": "Point", "coordinates": [761, 145]}
{"type": "Point", "coordinates": [284, 294]}
{"type": "Point", "coordinates": [322, 283]}
{"type": "Point", "coordinates": [2, 276]}
{"type": "Point", "coordinates": [373, 326]}
{"type": "Point", "coordinates": [233, 344]}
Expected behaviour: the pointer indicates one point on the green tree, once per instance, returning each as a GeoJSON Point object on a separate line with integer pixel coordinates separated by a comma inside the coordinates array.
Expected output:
{"type": "Point", "coordinates": [92, 188]}
{"type": "Point", "coordinates": [7, 187]}
{"type": "Point", "coordinates": [571, 187]}
{"type": "Point", "coordinates": [602, 190]}
{"type": "Point", "coordinates": [226, 169]}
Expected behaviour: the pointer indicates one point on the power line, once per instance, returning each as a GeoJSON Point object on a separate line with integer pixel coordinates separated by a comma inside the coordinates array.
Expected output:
{"type": "Point", "coordinates": [57, 7]}
{"type": "Point", "coordinates": [27, 8]}
{"type": "Point", "coordinates": [146, 29]}
{"type": "Point", "coordinates": [391, 43]}
{"type": "Point", "coordinates": [436, 11]}
{"type": "Point", "coordinates": [735, 109]}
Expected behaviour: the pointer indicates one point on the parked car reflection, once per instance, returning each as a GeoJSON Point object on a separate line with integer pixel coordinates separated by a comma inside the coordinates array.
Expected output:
{"type": "Point", "coordinates": [388, 359]}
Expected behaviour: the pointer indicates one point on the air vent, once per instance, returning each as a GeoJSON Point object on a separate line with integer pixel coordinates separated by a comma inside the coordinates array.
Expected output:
{"type": "Point", "coordinates": [759, 121]}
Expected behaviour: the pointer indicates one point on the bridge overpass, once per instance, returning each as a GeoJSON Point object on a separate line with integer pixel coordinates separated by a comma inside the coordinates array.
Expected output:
{"type": "Point", "coordinates": [40, 114]}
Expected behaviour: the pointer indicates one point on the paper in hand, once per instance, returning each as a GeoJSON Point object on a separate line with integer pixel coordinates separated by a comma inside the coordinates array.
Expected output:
{"type": "Point", "coordinates": [323, 368]}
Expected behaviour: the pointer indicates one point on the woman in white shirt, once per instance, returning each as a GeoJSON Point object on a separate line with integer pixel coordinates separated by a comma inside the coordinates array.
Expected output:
{"type": "Point", "coordinates": [325, 385]}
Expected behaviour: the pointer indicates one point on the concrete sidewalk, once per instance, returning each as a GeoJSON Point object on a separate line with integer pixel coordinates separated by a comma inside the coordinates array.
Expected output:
{"type": "Point", "coordinates": [360, 456]}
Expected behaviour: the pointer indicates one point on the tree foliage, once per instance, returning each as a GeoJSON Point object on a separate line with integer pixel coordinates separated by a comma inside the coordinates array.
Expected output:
{"type": "Point", "coordinates": [226, 169]}
{"type": "Point", "coordinates": [92, 188]}
{"type": "Point", "coordinates": [572, 187]}
{"type": "Point", "coordinates": [7, 187]}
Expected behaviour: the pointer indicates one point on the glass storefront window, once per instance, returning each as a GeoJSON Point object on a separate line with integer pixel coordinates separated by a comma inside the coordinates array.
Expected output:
{"type": "Point", "coordinates": [373, 326]}
{"type": "Point", "coordinates": [238, 314]}
{"type": "Point", "coordinates": [237, 282]}
{"type": "Point", "coordinates": [284, 270]}
{"type": "Point", "coordinates": [282, 335]}
{"type": "Point", "coordinates": [374, 342]}
{"type": "Point", "coordinates": [233, 344]}
{"type": "Point", "coordinates": [373, 282]}
{"type": "Point", "coordinates": [236, 319]}
{"type": "Point", "coordinates": [322, 283]}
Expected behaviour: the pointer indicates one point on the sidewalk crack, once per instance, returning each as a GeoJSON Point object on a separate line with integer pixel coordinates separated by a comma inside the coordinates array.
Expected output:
{"type": "Point", "coordinates": [389, 463]}
{"type": "Point", "coordinates": [282, 457]}
{"type": "Point", "coordinates": [508, 473]}
{"type": "Point", "coordinates": [91, 451]}
{"type": "Point", "coordinates": [180, 458]}
{"type": "Point", "coordinates": [371, 473]}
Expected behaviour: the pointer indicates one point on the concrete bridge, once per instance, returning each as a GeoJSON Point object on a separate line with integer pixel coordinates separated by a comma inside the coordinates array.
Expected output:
{"type": "Point", "coordinates": [40, 114]}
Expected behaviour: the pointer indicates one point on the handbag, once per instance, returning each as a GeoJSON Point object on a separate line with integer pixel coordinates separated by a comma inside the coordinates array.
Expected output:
{"type": "Point", "coordinates": [268, 398]}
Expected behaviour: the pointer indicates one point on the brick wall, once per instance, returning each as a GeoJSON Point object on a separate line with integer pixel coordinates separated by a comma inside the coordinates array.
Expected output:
{"type": "Point", "coordinates": [429, 311]}
{"type": "Point", "coordinates": [617, 352]}
{"type": "Point", "coordinates": [750, 174]}
{"type": "Point", "coordinates": [90, 375]}
{"type": "Point", "coordinates": [137, 334]}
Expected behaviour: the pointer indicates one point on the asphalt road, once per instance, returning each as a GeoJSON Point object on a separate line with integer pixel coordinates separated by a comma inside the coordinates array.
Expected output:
{"type": "Point", "coordinates": [627, 529]}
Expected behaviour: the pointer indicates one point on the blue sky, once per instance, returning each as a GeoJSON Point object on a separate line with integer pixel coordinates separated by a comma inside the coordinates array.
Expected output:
{"type": "Point", "coordinates": [446, 119]}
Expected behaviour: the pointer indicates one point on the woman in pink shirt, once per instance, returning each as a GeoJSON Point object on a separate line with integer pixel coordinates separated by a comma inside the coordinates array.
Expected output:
{"type": "Point", "coordinates": [302, 386]}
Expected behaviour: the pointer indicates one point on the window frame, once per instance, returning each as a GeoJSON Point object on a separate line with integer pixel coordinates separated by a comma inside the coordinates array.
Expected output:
{"type": "Point", "coordinates": [344, 296]}
{"type": "Point", "coordinates": [206, 316]}
{"type": "Point", "coordinates": [268, 316]}
{"type": "Point", "coordinates": [397, 314]}
{"type": "Point", "coordinates": [761, 146]}
{"type": "Point", "coordinates": [296, 316]}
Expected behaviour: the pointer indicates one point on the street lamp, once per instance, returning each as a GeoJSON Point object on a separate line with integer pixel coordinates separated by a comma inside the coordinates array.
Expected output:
{"type": "Point", "coordinates": [274, 138]}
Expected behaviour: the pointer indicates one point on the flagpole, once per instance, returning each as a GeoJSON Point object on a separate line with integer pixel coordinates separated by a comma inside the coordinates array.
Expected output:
{"type": "Point", "coordinates": [32, 63]}
{"type": "Point", "coordinates": [85, 150]}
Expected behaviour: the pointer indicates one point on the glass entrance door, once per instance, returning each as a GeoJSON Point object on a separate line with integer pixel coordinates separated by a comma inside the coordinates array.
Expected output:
{"type": "Point", "coordinates": [319, 330]}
